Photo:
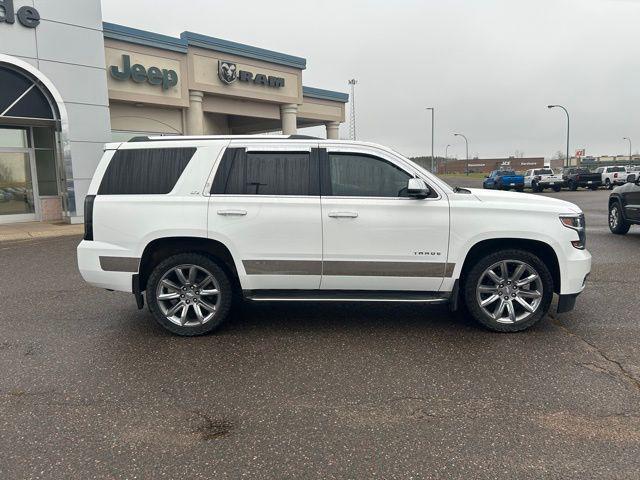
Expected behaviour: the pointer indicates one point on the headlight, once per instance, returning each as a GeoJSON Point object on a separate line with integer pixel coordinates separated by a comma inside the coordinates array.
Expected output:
{"type": "Point", "coordinates": [577, 223]}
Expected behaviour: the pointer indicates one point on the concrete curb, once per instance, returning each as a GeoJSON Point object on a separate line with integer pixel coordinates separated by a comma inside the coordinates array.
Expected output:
{"type": "Point", "coordinates": [37, 230]}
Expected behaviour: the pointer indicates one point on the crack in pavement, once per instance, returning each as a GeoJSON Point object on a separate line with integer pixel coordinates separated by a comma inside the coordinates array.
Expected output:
{"type": "Point", "coordinates": [618, 368]}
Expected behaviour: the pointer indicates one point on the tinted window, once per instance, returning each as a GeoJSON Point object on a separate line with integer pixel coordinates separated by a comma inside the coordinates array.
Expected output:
{"type": "Point", "coordinates": [582, 171]}
{"type": "Point", "coordinates": [263, 173]}
{"type": "Point", "coordinates": [507, 172]}
{"type": "Point", "coordinates": [617, 169]}
{"type": "Point", "coordinates": [145, 171]}
{"type": "Point", "coordinates": [544, 172]}
{"type": "Point", "coordinates": [353, 175]}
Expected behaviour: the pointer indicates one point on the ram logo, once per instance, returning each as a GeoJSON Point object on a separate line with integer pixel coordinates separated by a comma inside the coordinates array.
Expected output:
{"type": "Point", "coordinates": [227, 71]}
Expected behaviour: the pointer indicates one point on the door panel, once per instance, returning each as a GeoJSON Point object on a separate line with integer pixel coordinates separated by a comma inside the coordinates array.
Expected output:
{"type": "Point", "coordinates": [380, 242]}
{"type": "Point", "coordinates": [276, 240]}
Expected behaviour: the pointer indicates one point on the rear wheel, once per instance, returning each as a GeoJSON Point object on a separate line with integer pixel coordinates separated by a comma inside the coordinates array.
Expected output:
{"type": "Point", "coordinates": [608, 184]}
{"type": "Point", "coordinates": [509, 290]}
{"type": "Point", "coordinates": [593, 188]}
{"type": "Point", "coordinates": [617, 224]}
{"type": "Point", "coordinates": [189, 294]}
{"type": "Point", "coordinates": [573, 186]}
{"type": "Point", "coordinates": [556, 188]}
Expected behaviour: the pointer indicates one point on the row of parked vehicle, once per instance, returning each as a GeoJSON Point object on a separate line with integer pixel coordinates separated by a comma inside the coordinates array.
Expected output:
{"type": "Point", "coordinates": [569, 177]}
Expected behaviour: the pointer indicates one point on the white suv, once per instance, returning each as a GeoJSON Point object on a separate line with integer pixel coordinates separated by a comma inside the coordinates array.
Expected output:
{"type": "Point", "coordinates": [191, 222]}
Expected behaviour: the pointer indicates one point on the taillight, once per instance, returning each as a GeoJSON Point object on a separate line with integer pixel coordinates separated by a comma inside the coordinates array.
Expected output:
{"type": "Point", "coordinates": [615, 175]}
{"type": "Point", "coordinates": [88, 217]}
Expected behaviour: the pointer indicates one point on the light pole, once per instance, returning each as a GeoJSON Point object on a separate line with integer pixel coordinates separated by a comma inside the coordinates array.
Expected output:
{"type": "Point", "coordinates": [629, 140]}
{"type": "Point", "coordinates": [352, 120]}
{"type": "Point", "coordinates": [466, 142]}
{"type": "Point", "coordinates": [565, 111]}
{"type": "Point", "coordinates": [432, 130]}
{"type": "Point", "coordinates": [446, 157]}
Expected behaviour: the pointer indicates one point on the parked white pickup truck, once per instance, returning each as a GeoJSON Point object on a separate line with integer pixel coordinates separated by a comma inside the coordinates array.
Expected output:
{"type": "Point", "coordinates": [188, 223]}
{"type": "Point", "coordinates": [540, 178]}
{"type": "Point", "coordinates": [612, 176]}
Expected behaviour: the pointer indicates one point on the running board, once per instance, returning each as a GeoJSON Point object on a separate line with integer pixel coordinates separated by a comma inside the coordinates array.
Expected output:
{"type": "Point", "coordinates": [345, 296]}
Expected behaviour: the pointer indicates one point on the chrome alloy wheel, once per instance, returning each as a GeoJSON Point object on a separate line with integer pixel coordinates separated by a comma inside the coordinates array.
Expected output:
{"type": "Point", "coordinates": [613, 217]}
{"type": "Point", "coordinates": [509, 291]}
{"type": "Point", "coordinates": [188, 295]}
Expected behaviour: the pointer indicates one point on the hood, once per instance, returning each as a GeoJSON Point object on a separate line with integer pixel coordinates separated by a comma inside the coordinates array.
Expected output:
{"type": "Point", "coordinates": [524, 201]}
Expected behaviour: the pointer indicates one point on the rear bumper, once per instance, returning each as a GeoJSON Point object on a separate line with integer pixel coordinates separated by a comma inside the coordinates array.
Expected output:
{"type": "Point", "coordinates": [594, 183]}
{"type": "Point", "coordinates": [548, 184]}
{"type": "Point", "coordinates": [106, 266]}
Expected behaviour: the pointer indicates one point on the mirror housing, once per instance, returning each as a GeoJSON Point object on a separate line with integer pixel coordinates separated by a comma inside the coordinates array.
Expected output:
{"type": "Point", "coordinates": [417, 188]}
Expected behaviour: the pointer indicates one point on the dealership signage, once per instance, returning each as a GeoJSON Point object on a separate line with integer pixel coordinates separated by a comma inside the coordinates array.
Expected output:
{"type": "Point", "coordinates": [139, 74]}
{"type": "Point", "coordinates": [229, 73]}
{"type": "Point", "coordinates": [27, 16]}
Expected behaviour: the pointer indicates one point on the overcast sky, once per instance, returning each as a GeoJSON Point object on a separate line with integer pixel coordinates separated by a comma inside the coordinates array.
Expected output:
{"type": "Point", "coordinates": [489, 67]}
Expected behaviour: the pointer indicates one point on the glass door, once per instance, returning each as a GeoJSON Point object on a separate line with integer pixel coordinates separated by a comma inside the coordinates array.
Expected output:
{"type": "Point", "coordinates": [17, 188]}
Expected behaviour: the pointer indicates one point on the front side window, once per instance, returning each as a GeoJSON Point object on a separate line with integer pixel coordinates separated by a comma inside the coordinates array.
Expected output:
{"type": "Point", "coordinates": [263, 173]}
{"type": "Point", "coordinates": [359, 175]}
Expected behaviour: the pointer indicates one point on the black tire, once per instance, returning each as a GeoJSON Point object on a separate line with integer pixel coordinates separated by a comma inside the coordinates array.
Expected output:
{"type": "Point", "coordinates": [617, 223]}
{"type": "Point", "coordinates": [608, 184]}
{"type": "Point", "coordinates": [210, 266]}
{"type": "Point", "coordinates": [556, 188]}
{"type": "Point", "coordinates": [593, 188]}
{"type": "Point", "coordinates": [520, 189]}
{"type": "Point", "coordinates": [473, 277]}
{"type": "Point", "coordinates": [573, 186]}
{"type": "Point", "coordinates": [534, 187]}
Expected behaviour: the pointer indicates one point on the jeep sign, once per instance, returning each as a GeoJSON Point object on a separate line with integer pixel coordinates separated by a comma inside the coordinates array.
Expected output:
{"type": "Point", "coordinates": [27, 16]}
{"type": "Point", "coordinates": [140, 74]}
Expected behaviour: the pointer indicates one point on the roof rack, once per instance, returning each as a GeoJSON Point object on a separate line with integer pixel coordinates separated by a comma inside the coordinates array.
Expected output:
{"type": "Point", "coordinates": [145, 138]}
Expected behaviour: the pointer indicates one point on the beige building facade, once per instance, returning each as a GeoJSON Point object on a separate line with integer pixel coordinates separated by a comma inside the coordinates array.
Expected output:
{"type": "Point", "coordinates": [199, 85]}
{"type": "Point", "coordinates": [71, 83]}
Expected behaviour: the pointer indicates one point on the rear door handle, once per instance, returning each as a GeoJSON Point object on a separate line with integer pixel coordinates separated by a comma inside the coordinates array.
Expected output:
{"type": "Point", "coordinates": [343, 214]}
{"type": "Point", "coordinates": [232, 213]}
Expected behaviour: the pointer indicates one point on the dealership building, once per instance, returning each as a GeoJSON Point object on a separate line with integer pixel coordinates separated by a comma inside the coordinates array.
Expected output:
{"type": "Point", "coordinates": [71, 83]}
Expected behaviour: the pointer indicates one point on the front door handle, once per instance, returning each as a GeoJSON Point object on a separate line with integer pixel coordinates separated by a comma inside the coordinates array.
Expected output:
{"type": "Point", "coordinates": [232, 213]}
{"type": "Point", "coordinates": [343, 214]}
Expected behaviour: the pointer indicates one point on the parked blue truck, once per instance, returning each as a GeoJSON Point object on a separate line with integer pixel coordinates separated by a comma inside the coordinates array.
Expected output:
{"type": "Point", "coordinates": [504, 180]}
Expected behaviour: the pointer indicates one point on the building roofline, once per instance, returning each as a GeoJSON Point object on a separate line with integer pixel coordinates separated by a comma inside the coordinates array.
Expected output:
{"type": "Point", "coordinates": [142, 37]}
{"type": "Point", "coordinates": [115, 31]}
{"type": "Point", "coordinates": [322, 94]}
{"type": "Point", "coordinates": [240, 49]}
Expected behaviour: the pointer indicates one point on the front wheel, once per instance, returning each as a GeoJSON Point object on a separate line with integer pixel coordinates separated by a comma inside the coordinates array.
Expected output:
{"type": "Point", "coordinates": [508, 290]}
{"type": "Point", "coordinates": [573, 186]}
{"type": "Point", "coordinates": [189, 294]}
{"type": "Point", "coordinates": [617, 224]}
{"type": "Point", "coordinates": [556, 188]}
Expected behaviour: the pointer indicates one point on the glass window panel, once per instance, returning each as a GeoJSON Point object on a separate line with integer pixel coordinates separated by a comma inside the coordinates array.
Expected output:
{"type": "Point", "coordinates": [13, 138]}
{"type": "Point", "coordinates": [364, 176]}
{"type": "Point", "coordinates": [145, 171]}
{"type": "Point", "coordinates": [13, 84]}
{"type": "Point", "coordinates": [33, 105]}
{"type": "Point", "coordinates": [43, 138]}
{"type": "Point", "coordinates": [16, 190]}
{"type": "Point", "coordinates": [46, 172]}
{"type": "Point", "coordinates": [277, 174]}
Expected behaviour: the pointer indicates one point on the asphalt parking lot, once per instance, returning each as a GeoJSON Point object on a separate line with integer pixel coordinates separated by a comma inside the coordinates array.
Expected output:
{"type": "Point", "coordinates": [92, 388]}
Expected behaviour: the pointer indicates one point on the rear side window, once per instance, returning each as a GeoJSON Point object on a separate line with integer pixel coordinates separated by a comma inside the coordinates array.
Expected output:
{"type": "Point", "coordinates": [265, 173]}
{"type": "Point", "coordinates": [617, 169]}
{"type": "Point", "coordinates": [145, 171]}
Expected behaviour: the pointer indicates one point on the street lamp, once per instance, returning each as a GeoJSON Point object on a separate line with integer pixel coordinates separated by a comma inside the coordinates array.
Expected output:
{"type": "Point", "coordinates": [432, 130]}
{"type": "Point", "coordinates": [629, 140]}
{"type": "Point", "coordinates": [565, 111]}
{"type": "Point", "coordinates": [466, 142]}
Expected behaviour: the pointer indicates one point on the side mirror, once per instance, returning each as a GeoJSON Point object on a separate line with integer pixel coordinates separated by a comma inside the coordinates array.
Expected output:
{"type": "Point", "coordinates": [416, 188]}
